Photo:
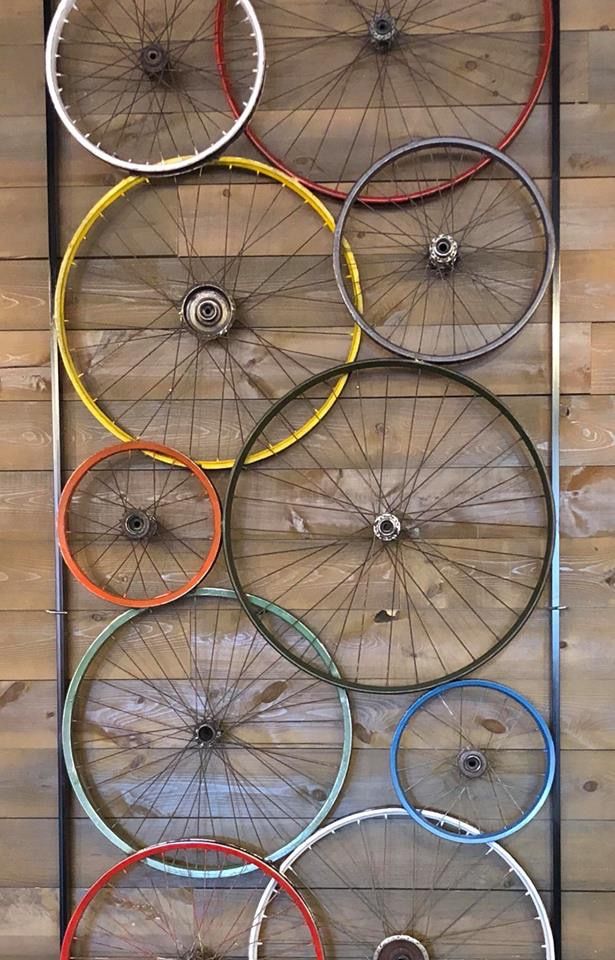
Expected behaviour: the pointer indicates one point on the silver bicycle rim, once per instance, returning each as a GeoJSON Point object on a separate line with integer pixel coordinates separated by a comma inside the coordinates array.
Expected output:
{"type": "Point", "coordinates": [339, 243]}
{"type": "Point", "coordinates": [392, 812]}
{"type": "Point", "coordinates": [167, 165]}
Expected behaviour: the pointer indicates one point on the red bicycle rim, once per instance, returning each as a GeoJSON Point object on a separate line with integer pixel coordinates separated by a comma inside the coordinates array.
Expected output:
{"type": "Point", "coordinates": [157, 452]}
{"type": "Point", "coordinates": [331, 192]}
{"type": "Point", "coordinates": [210, 845]}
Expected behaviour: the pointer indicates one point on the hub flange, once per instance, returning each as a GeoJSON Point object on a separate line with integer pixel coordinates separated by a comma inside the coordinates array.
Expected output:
{"type": "Point", "coordinates": [400, 947]}
{"type": "Point", "coordinates": [387, 527]}
{"type": "Point", "coordinates": [443, 251]}
{"type": "Point", "coordinates": [137, 524]}
{"type": "Point", "coordinates": [154, 59]}
{"type": "Point", "coordinates": [208, 310]}
{"type": "Point", "coordinates": [382, 30]}
{"type": "Point", "coordinates": [472, 763]}
{"type": "Point", "coordinates": [207, 733]}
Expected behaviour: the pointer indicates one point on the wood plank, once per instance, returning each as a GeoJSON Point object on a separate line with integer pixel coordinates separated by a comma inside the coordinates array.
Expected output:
{"type": "Point", "coordinates": [24, 295]}
{"type": "Point", "coordinates": [575, 67]}
{"type": "Point", "coordinates": [588, 139]}
{"type": "Point", "coordinates": [584, 864]}
{"type": "Point", "coordinates": [22, 82]}
{"type": "Point", "coordinates": [588, 572]}
{"type": "Point", "coordinates": [588, 213]}
{"type": "Point", "coordinates": [28, 783]}
{"type": "Point", "coordinates": [27, 651]}
{"type": "Point", "coordinates": [22, 22]}
{"type": "Point", "coordinates": [25, 209]}
{"type": "Point", "coordinates": [529, 148]}
{"type": "Point", "coordinates": [584, 650]}
{"type": "Point", "coordinates": [601, 68]}
{"type": "Point", "coordinates": [586, 500]}
{"type": "Point", "coordinates": [20, 348]}
{"type": "Point", "coordinates": [26, 571]}
{"type": "Point", "coordinates": [30, 859]}
{"type": "Point", "coordinates": [29, 923]}
{"type": "Point", "coordinates": [22, 151]}
{"type": "Point", "coordinates": [588, 778]}
{"type": "Point", "coordinates": [588, 926]}
{"type": "Point", "coordinates": [25, 383]}
{"type": "Point", "coordinates": [588, 286]}
{"type": "Point", "coordinates": [587, 437]}
{"type": "Point", "coordinates": [527, 359]}
{"type": "Point", "coordinates": [26, 507]}
{"type": "Point", "coordinates": [593, 15]}
{"type": "Point", "coordinates": [27, 861]}
{"type": "Point", "coordinates": [25, 436]}
{"type": "Point", "coordinates": [84, 435]}
{"type": "Point", "coordinates": [603, 358]}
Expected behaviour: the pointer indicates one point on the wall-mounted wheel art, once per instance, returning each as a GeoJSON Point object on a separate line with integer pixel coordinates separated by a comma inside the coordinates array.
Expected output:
{"type": "Point", "coordinates": [348, 81]}
{"type": "Point", "coordinates": [411, 529]}
{"type": "Point", "coordinates": [476, 750]}
{"type": "Point", "coordinates": [139, 85]}
{"type": "Point", "coordinates": [381, 886]}
{"type": "Point", "coordinates": [460, 270]}
{"type": "Point", "coordinates": [139, 524]}
{"type": "Point", "coordinates": [185, 306]}
{"type": "Point", "coordinates": [132, 911]}
{"type": "Point", "coordinates": [184, 721]}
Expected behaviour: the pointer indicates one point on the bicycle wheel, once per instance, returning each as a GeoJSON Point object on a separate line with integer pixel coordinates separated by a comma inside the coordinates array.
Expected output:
{"type": "Point", "coordinates": [184, 306]}
{"type": "Point", "coordinates": [379, 886]}
{"type": "Point", "coordinates": [459, 271]}
{"type": "Point", "coordinates": [138, 84]}
{"type": "Point", "coordinates": [131, 911]}
{"type": "Point", "coordinates": [135, 531]}
{"type": "Point", "coordinates": [348, 81]}
{"type": "Point", "coordinates": [411, 529]}
{"type": "Point", "coordinates": [188, 723]}
{"type": "Point", "coordinates": [473, 747]}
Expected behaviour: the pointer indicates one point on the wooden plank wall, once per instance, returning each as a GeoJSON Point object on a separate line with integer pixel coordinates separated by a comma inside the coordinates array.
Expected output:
{"type": "Point", "coordinates": [28, 880]}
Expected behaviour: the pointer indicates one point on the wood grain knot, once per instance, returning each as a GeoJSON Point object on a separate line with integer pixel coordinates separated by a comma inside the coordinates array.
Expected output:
{"type": "Point", "coordinates": [493, 726]}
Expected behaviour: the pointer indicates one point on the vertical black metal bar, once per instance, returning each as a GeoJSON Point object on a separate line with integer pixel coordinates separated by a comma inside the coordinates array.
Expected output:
{"type": "Point", "coordinates": [556, 832]}
{"type": "Point", "coordinates": [54, 253]}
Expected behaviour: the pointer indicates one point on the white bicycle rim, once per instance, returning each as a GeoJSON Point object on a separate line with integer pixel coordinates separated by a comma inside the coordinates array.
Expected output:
{"type": "Point", "coordinates": [171, 164]}
{"type": "Point", "coordinates": [389, 812]}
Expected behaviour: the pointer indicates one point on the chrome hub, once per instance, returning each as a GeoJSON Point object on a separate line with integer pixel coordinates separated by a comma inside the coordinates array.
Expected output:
{"type": "Point", "coordinates": [400, 947]}
{"type": "Point", "coordinates": [207, 733]}
{"type": "Point", "coordinates": [387, 527]}
{"type": "Point", "coordinates": [472, 763]}
{"type": "Point", "coordinates": [443, 251]}
{"type": "Point", "coordinates": [208, 311]}
{"type": "Point", "coordinates": [154, 59]}
{"type": "Point", "coordinates": [138, 524]}
{"type": "Point", "coordinates": [382, 30]}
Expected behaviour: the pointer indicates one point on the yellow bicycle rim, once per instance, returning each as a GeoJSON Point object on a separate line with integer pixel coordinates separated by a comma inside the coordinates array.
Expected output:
{"type": "Point", "coordinates": [61, 322]}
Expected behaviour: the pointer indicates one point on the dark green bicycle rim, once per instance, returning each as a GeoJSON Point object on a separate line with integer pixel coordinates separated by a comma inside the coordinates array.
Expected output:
{"type": "Point", "coordinates": [348, 370]}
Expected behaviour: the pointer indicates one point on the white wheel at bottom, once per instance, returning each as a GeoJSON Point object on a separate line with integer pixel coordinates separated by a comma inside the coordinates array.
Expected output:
{"type": "Point", "coordinates": [383, 888]}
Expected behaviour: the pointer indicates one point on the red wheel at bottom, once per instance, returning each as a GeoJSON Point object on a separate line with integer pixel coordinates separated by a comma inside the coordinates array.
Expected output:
{"type": "Point", "coordinates": [132, 911]}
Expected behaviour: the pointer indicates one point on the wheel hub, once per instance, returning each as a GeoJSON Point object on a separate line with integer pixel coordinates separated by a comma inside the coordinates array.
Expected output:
{"type": "Point", "coordinates": [207, 733]}
{"type": "Point", "coordinates": [387, 527]}
{"type": "Point", "coordinates": [154, 59]}
{"type": "Point", "coordinates": [401, 947]}
{"type": "Point", "coordinates": [138, 524]}
{"type": "Point", "coordinates": [443, 251]}
{"type": "Point", "coordinates": [382, 30]}
{"type": "Point", "coordinates": [208, 311]}
{"type": "Point", "coordinates": [472, 763]}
